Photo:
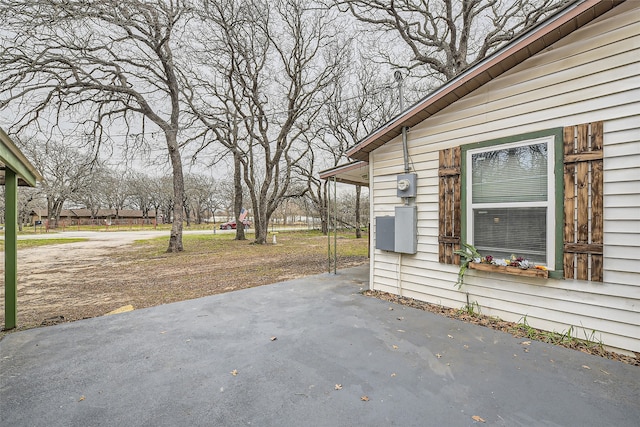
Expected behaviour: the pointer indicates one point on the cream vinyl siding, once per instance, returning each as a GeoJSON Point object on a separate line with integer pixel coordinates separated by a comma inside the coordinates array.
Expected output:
{"type": "Point", "coordinates": [591, 75]}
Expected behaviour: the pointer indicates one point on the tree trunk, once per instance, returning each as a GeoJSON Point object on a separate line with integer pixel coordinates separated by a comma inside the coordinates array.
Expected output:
{"type": "Point", "coordinates": [324, 208]}
{"type": "Point", "coordinates": [54, 211]}
{"type": "Point", "coordinates": [262, 223]}
{"type": "Point", "coordinates": [237, 196]}
{"type": "Point", "coordinates": [187, 211]}
{"type": "Point", "coordinates": [175, 239]}
{"type": "Point", "coordinates": [358, 231]}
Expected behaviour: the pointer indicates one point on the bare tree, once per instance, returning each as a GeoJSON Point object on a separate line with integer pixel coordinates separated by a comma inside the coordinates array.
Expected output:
{"type": "Point", "coordinates": [217, 199]}
{"type": "Point", "coordinates": [110, 62]}
{"type": "Point", "coordinates": [271, 73]}
{"type": "Point", "coordinates": [357, 212]}
{"type": "Point", "coordinates": [358, 104]}
{"type": "Point", "coordinates": [65, 170]}
{"type": "Point", "coordinates": [347, 215]}
{"type": "Point", "coordinates": [92, 194]}
{"type": "Point", "coordinates": [29, 199]}
{"type": "Point", "coordinates": [116, 191]}
{"type": "Point", "coordinates": [142, 189]}
{"type": "Point", "coordinates": [201, 195]}
{"type": "Point", "coordinates": [448, 35]}
{"type": "Point", "coordinates": [238, 198]}
{"type": "Point", "coordinates": [164, 199]}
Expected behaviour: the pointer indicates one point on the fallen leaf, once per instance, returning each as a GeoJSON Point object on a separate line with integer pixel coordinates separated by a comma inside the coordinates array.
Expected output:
{"type": "Point", "coordinates": [395, 347]}
{"type": "Point", "coordinates": [400, 330]}
{"type": "Point", "coordinates": [234, 372]}
{"type": "Point", "coordinates": [393, 375]}
{"type": "Point", "coordinates": [526, 343]}
{"type": "Point", "coordinates": [438, 355]}
{"type": "Point", "coordinates": [526, 350]}
{"type": "Point", "coordinates": [586, 367]}
{"type": "Point", "coordinates": [163, 332]}
{"type": "Point", "coordinates": [274, 338]}
{"type": "Point", "coordinates": [364, 398]}
{"type": "Point", "coordinates": [450, 336]}
{"type": "Point", "coordinates": [81, 399]}
{"type": "Point", "coordinates": [466, 347]}
{"type": "Point", "coordinates": [338, 387]}
{"type": "Point", "coordinates": [390, 308]}
{"type": "Point", "coordinates": [478, 419]}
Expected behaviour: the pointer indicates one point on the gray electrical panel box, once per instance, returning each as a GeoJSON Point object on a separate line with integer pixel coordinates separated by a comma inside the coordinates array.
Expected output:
{"type": "Point", "coordinates": [407, 185]}
{"type": "Point", "coordinates": [406, 230]}
{"type": "Point", "coordinates": [385, 231]}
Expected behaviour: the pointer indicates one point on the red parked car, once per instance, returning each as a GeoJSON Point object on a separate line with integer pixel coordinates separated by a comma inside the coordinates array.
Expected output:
{"type": "Point", "coordinates": [231, 225]}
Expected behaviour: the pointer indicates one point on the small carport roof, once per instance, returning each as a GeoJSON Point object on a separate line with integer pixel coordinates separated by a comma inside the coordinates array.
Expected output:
{"type": "Point", "coordinates": [355, 173]}
{"type": "Point", "coordinates": [15, 166]}
{"type": "Point", "coordinates": [11, 157]}
{"type": "Point", "coordinates": [543, 35]}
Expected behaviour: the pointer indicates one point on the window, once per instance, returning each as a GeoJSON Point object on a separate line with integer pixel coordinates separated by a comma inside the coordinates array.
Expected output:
{"type": "Point", "coordinates": [511, 199]}
{"type": "Point", "coordinates": [538, 195]}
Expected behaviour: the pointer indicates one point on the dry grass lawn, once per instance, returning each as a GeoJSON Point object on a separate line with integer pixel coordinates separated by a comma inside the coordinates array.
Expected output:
{"type": "Point", "coordinates": [63, 282]}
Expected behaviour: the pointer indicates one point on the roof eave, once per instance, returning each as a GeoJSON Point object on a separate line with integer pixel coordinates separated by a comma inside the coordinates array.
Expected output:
{"type": "Point", "coordinates": [12, 157]}
{"type": "Point", "coordinates": [350, 173]}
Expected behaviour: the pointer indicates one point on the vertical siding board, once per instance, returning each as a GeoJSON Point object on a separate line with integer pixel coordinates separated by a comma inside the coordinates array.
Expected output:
{"type": "Point", "coordinates": [597, 136]}
{"type": "Point", "coordinates": [457, 190]}
{"type": "Point", "coordinates": [448, 201]}
{"type": "Point", "coordinates": [597, 217]}
{"type": "Point", "coordinates": [569, 201]}
{"type": "Point", "coordinates": [457, 213]}
{"type": "Point", "coordinates": [442, 211]}
{"type": "Point", "coordinates": [442, 219]}
{"type": "Point", "coordinates": [569, 140]}
{"type": "Point", "coordinates": [597, 201]}
{"type": "Point", "coordinates": [596, 268]}
{"type": "Point", "coordinates": [582, 145]}
{"type": "Point", "coordinates": [582, 267]}
{"type": "Point", "coordinates": [582, 179]}
{"type": "Point", "coordinates": [569, 265]}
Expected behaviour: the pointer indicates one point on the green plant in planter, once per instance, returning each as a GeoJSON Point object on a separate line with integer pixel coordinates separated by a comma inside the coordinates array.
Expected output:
{"type": "Point", "coordinates": [467, 254]}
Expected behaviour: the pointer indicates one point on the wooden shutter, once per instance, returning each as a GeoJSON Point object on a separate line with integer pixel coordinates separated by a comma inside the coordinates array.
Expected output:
{"type": "Point", "coordinates": [583, 202]}
{"type": "Point", "coordinates": [449, 206]}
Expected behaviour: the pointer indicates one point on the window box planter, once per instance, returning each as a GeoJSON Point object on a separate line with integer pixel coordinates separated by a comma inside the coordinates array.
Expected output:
{"type": "Point", "coordinates": [531, 272]}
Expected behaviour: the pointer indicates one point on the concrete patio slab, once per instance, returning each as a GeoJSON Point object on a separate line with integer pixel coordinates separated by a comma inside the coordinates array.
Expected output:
{"type": "Point", "coordinates": [213, 362]}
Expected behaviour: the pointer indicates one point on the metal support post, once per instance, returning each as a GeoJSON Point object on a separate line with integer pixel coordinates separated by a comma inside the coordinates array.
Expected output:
{"type": "Point", "coordinates": [10, 250]}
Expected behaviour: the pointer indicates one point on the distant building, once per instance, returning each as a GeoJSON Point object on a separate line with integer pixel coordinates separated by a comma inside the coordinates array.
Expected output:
{"type": "Point", "coordinates": [101, 217]}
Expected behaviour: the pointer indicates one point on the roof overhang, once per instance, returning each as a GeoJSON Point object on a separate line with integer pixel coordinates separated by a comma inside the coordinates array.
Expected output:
{"type": "Point", "coordinates": [355, 173]}
{"type": "Point", "coordinates": [521, 48]}
{"type": "Point", "coordinates": [12, 158]}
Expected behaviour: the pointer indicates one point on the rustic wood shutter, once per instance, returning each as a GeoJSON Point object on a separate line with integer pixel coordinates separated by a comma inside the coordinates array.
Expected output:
{"type": "Point", "coordinates": [449, 206]}
{"type": "Point", "coordinates": [583, 201]}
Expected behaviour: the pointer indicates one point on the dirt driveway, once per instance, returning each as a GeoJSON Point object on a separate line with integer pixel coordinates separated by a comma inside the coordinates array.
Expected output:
{"type": "Point", "coordinates": [45, 271]}
{"type": "Point", "coordinates": [71, 281]}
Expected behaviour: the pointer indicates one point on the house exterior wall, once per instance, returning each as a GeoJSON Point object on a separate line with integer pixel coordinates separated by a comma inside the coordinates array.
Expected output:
{"type": "Point", "coordinates": [591, 75]}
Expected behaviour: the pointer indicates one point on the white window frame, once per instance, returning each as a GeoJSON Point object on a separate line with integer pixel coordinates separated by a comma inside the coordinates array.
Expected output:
{"type": "Point", "coordinates": [549, 203]}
